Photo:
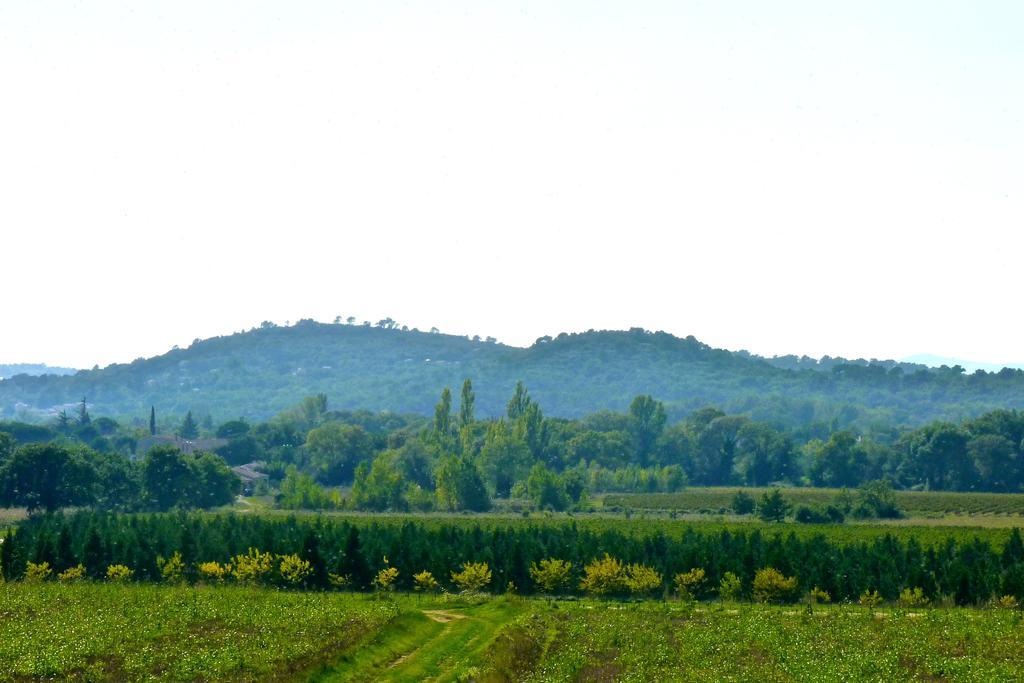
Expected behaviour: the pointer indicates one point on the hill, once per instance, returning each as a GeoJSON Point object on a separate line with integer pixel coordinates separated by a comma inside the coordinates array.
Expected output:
{"type": "Point", "coordinates": [10, 370]}
{"type": "Point", "coordinates": [258, 373]}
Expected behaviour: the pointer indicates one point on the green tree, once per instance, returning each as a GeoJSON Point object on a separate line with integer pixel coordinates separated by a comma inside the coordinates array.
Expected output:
{"type": "Point", "coordinates": [443, 417]}
{"type": "Point", "coordinates": [379, 486]}
{"type": "Point", "coordinates": [546, 488]}
{"type": "Point", "coordinates": [519, 402]}
{"type": "Point", "coordinates": [166, 478]}
{"type": "Point", "coordinates": [466, 404]}
{"type": "Point", "coordinates": [460, 486]}
{"type": "Point", "coordinates": [152, 420]}
{"type": "Point", "coordinates": [504, 459]}
{"type": "Point", "coordinates": [189, 429]}
{"type": "Point", "coordinates": [336, 449]}
{"type": "Point", "coordinates": [83, 413]}
{"type": "Point", "coordinates": [46, 476]}
{"type": "Point", "coordinates": [646, 422]}
{"type": "Point", "coordinates": [743, 503]}
{"type": "Point", "coordinates": [773, 507]}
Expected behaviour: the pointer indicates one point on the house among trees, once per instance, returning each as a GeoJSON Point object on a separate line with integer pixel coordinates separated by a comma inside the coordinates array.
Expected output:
{"type": "Point", "coordinates": [188, 446]}
{"type": "Point", "coordinates": [249, 476]}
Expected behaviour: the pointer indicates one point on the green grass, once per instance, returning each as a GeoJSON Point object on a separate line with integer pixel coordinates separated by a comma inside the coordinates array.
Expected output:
{"type": "Point", "coordinates": [913, 503]}
{"type": "Point", "coordinates": [438, 642]}
{"type": "Point", "coordinates": [712, 642]}
{"type": "Point", "coordinates": [94, 632]}
{"type": "Point", "coordinates": [104, 632]}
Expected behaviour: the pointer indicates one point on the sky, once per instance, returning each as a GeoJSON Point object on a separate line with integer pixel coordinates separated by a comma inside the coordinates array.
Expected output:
{"type": "Point", "coordinates": [788, 177]}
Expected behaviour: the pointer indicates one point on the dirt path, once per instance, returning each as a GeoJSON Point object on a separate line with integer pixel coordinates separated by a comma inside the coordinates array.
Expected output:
{"type": "Point", "coordinates": [429, 645]}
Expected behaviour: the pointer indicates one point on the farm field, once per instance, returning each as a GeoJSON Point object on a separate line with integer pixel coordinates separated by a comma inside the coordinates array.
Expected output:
{"type": "Point", "coordinates": [932, 504]}
{"type": "Point", "coordinates": [109, 632]}
{"type": "Point", "coordinates": [132, 632]}
{"type": "Point", "coordinates": [715, 642]}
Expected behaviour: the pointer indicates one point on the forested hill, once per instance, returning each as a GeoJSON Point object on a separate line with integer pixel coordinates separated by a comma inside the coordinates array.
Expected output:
{"type": "Point", "coordinates": [257, 373]}
{"type": "Point", "coordinates": [33, 369]}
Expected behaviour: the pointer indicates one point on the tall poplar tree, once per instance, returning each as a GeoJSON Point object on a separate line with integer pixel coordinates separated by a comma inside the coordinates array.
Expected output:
{"type": "Point", "coordinates": [466, 404]}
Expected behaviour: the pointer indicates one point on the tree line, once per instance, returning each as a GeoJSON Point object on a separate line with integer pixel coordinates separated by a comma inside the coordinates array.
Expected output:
{"type": "Point", "coordinates": [457, 461]}
{"type": "Point", "coordinates": [355, 552]}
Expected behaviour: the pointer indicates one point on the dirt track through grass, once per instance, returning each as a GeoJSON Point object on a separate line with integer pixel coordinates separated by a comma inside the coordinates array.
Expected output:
{"type": "Point", "coordinates": [428, 645]}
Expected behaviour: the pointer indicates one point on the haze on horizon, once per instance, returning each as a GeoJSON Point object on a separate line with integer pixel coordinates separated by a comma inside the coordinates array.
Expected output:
{"type": "Point", "coordinates": [803, 178]}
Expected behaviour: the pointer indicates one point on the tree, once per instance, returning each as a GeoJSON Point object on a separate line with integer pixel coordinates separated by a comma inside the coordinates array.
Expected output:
{"type": "Point", "coordinates": [771, 586]}
{"type": "Point", "coordinates": [166, 478]}
{"type": "Point", "coordinates": [466, 404]}
{"type": "Point", "coordinates": [605, 576]}
{"type": "Point", "coordinates": [546, 488]}
{"type": "Point", "coordinates": [336, 449]}
{"type": "Point", "coordinates": [189, 429]}
{"type": "Point", "coordinates": [83, 413]}
{"type": "Point", "coordinates": [233, 429]}
{"type": "Point", "coordinates": [46, 476]}
{"type": "Point", "coordinates": [152, 420]}
{"type": "Point", "coordinates": [878, 499]}
{"type": "Point", "coordinates": [474, 577]}
{"type": "Point", "coordinates": [212, 482]}
{"type": "Point", "coordinates": [443, 416]}
{"type": "Point", "coordinates": [519, 402]}
{"type": "Point", "coordinates": [460, 486]}
{"type": "Point", "coordinates": [763, 455]}
{"type": "Point", "coordinates": [7, 446]}
{"type": "Point", "coordinates": [646, 422]}
{"type": "Point", "coordinates": [743, 503]}
{"type": "Point", "coordinates": [380, 486]}
{"type": "Point", "coordinates": [551, 575]}
{"type": "Point", "coordinates": [773, 507]}
{"type": "Point", "coordinates": [504, 459]}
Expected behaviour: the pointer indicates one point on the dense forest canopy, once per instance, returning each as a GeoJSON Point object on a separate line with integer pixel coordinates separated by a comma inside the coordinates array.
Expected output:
{"type": "Point", "coordinates": [383, 367]}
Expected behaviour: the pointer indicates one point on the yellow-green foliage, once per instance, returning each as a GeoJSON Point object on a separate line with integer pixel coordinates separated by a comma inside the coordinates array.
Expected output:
{"type": "Point", "coordinates": [339, 580]}
{"type": "Point", "coordinates": [869, 598]}
{"type": "Point", "coordinates": [912, 597]}
{"type": "Point", "coordinates": [213, 572]}
{"type": "Point", "coordinates": [688, 583]}
{"type": "Point", "coordinates": [385, 579]}
{"type": "Point", "coordinates": [71, 574]}
{"type": "Point", "coordinates": [474, 577]}
{"type": "Point", "coordinates": [37, 572]}
{"type": "Point", "coordinates": [173, 569]}
{"type": "Point", "coordinates": [1005, 602]}
{"type": "Point", "coordinates": [603, 576]}
{"type": "Point", "coordinates": [119, 573]}
{"type": "Point", "coordinates": [425, 581]}
{"type": "Point", "coordinates": [253, 567]}
{"type": "Point", "coordinates": [551, 574]}
{"type": "Point", "coordinates": [293, 569]}
{"type": "Point", "coordinates": [642, 580]}
{"type": "Point", "coordinates": [817, 595]}
{"type": "Point", "coordinates": [730, 587]}
{"type": "Point", "coordinates": [771, 586]}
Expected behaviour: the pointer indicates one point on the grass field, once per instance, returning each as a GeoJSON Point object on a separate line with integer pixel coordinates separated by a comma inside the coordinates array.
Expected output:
{"type": "Point", "coordinates": [90, 632]}
{"type": "Point", "coordinates": [104, 632]}
{"type": "Point", "coordinates": [670, 642]}
{"type": "Point", "coordinates": [913, 503]}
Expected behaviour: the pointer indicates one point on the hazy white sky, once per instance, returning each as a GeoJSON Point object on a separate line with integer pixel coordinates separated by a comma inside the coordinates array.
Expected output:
{"type": "Point", "coordinates": [820, 177]}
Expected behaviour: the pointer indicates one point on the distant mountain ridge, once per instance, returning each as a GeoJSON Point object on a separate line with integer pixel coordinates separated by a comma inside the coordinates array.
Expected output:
{"type": "Point", "coordinates": [258, 373]}
{"type": "Point", "coordinates": [12, 369]}
{"type": "Point", "coordinates": [932, 361]}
